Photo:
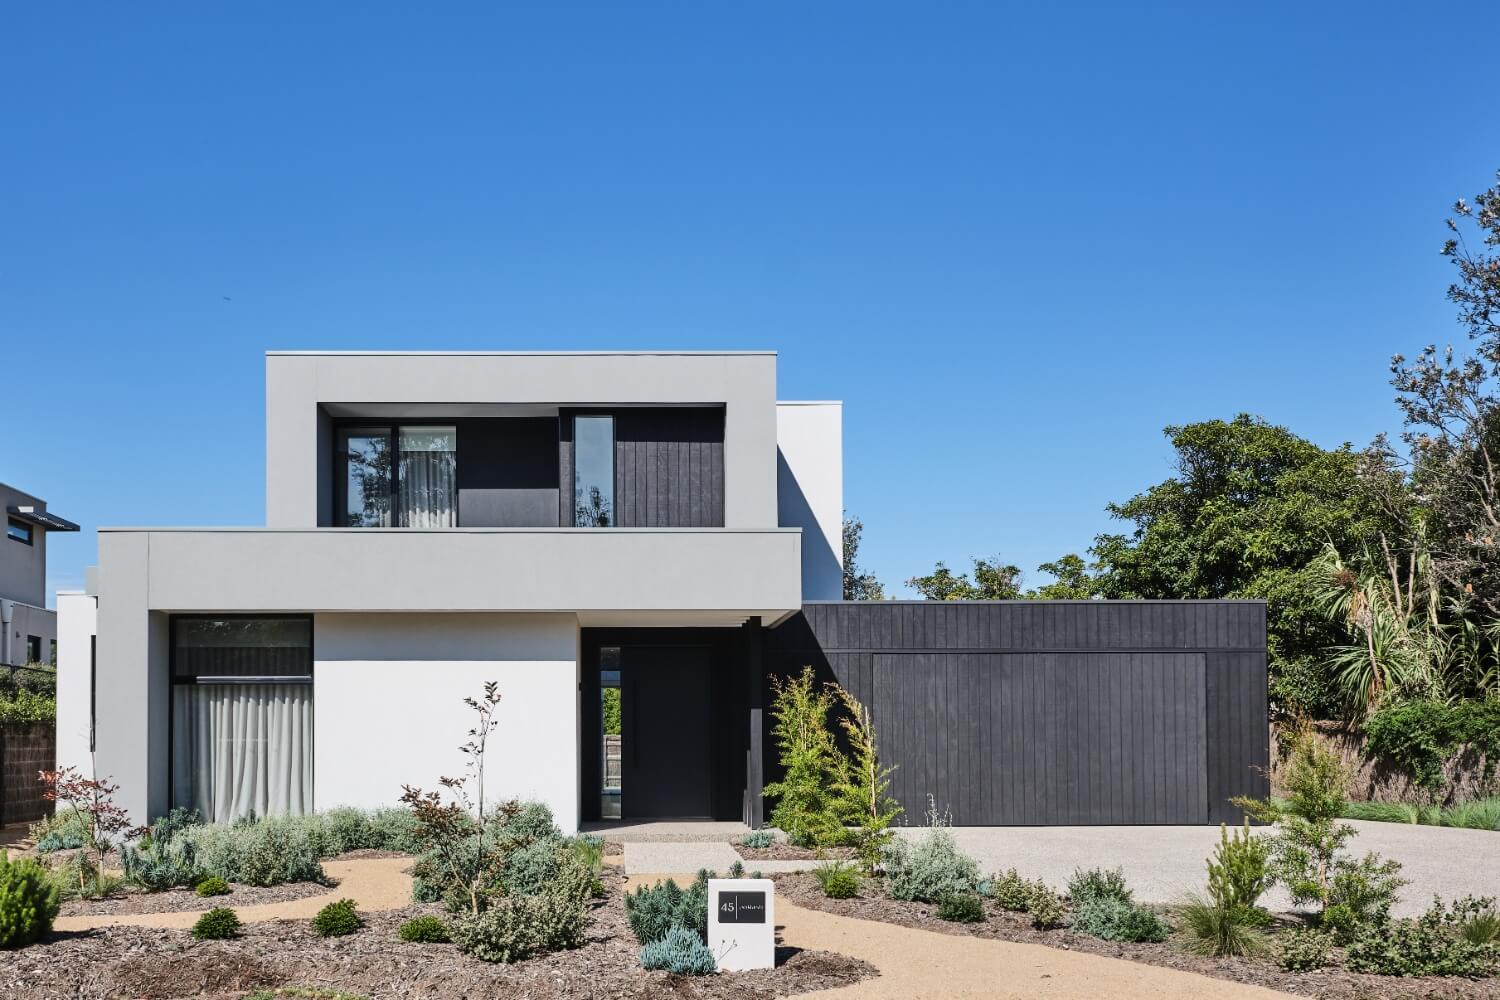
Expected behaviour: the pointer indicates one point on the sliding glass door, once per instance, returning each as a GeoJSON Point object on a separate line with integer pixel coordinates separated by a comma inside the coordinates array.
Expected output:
{"type": "Point", "coordinates": [399, 476]}
{"type": "Point", "coordinates": [242, 716]}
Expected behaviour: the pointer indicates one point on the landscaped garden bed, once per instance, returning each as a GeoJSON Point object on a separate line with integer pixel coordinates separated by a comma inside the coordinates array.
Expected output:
{"type": "Point", "coordinates": [780, 850]}
{"type": "Point", "coordinates": [156, 963]}
{"type": "Point", "coordinates": [873, 903]}
{"type": "Point", "coordinates": [127, 900]}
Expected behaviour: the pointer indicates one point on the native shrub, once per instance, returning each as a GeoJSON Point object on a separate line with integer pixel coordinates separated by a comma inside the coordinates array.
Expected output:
{"type": "Point", "coordinates": [1432, 945]}
{"type": "Point", "coordinates": [1222, 930]}
{"type": "Point", "coordinates": [425, 930]}
{"type": "Point", "coordinates": [216, 924]}
{"type": "Point", "coordinates": [1045, 907]}
{"type": "Point", "coordinates": [961, 908]}
{"type": "Point", "coordinates": [861, 786]}
{"type": "Point", "coordinates": [92, 802]}
{"type": "Point", "coordinates": [805, 801]}
{"type": "Point", "coordinates": [931, 867]}
{"type": "Point", "coordinates": [758, 839]}
{"type": "Point", "coordinates": [1115, 919]}
{"type": "Point", "coordinates": [213, 886]}
{"type": "Point", "coordinates": [1477, 919]}
{"type": "Point", "coordinates": [1097, 884]}
{"type": "Point", "coordinates": [516, 927]}
{"type": "Point", "coordinates": [337, 919]}
{"type": "Point", "coordinates": [1302, 949]}
{"type": "Point", "coordinates": [680, 950]}
{"type": "Point", "coordinates": [1307, 853]}
{"type": "Point", "coordinates": [837, 879]}
{"type": "Point", "coordinates": [28, 902]}
{"type": "Point", "coordinates": [653, 911]}
{"type": "Point", "coordinates": [1010, 891]}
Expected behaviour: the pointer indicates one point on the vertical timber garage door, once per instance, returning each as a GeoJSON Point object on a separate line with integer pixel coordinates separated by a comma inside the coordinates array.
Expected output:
{"type": "Point", "coordinates": [1015, 739]}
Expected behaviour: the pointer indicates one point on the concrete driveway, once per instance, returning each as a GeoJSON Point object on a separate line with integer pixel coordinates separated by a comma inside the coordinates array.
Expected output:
{"type": "Point", "coordinates": [1164, 862]}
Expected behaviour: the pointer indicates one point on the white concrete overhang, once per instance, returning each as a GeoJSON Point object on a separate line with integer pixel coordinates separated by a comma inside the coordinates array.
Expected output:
{"type": "Point", "coordinates": [612, 576]}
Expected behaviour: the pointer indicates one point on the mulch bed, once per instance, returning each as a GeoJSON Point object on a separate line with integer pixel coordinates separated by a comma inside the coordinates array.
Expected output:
{"type": "Point", "coordinates": [175, 900]}
{"type": "Point", "coordinates": [782, 851]}
{"type": "Point", "coordinates": [156, 964]}
{"type": "Point", "coordinates": [1330, 983]}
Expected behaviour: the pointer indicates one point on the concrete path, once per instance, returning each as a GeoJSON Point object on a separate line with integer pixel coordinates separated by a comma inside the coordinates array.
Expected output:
{"type": "Point", "coordinates": [1164, 862]}
{"type": "Point", "coordinates": [373, 884]}
{"type": "Point", "coordinates": [666, 830]}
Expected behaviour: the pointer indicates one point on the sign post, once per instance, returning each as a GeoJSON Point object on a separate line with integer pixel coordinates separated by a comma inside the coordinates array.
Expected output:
{"type": "Point", "coordinates": [742, 923]}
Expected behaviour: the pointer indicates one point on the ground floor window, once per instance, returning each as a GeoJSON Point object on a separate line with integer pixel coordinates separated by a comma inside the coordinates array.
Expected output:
{"type": "Point", "coordinates": [609, 723]}
{"type": "Point", "coordinates": [242, 723]}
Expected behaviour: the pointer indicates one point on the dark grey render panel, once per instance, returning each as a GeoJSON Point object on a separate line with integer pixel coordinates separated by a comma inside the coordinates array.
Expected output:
{"type": "Point", "coordinates": [1051, 712]}
{"type": "Point", "coordinates": [507, 508]}
{"type": "Point", "coordinates": [508, 472]}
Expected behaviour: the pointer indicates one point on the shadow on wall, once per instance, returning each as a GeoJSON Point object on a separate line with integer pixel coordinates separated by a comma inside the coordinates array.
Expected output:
{"type": "Point", "coordinates": [821, 572]}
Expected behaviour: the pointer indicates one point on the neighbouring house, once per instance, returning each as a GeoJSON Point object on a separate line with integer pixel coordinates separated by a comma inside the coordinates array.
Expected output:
{"type": "Point", "coordinates": [631, 544]}
{"type": "Point", "coordinates": [30, 628]}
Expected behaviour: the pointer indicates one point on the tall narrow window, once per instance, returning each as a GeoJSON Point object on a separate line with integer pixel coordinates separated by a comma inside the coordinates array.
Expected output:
{"type": "Point", "coordinates": [242, 716]}
{"type": "Point", "coordinates": [609, 736]}
{"type": "Point", "coordinates": [367, 476]}
{"type": "Point", "coordinates": [428, 494]}
{"type": "Point", "coordinates": [593, 471]}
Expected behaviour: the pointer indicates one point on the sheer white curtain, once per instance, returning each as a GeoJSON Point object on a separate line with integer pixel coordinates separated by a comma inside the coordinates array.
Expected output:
{"type": "Point", "coordinates": [428, 490]}
{"type": "Point", "coordinates": [242, 748]}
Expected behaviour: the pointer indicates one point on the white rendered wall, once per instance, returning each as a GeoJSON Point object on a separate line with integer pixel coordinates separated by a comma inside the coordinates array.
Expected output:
{"type": "Point", "coordinates": [810, 491]}
{"type": "Point", "coordinates": [77, 615]}
{"type": "Point", "coordinates": [388, 707]}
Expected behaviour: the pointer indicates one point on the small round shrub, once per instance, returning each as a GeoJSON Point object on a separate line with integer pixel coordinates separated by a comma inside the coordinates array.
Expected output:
{"type": "Point", "coordinates": [758, 839]}
{"type": "Point", "coordinates": [961, 908]}
{"type": "Point", "coordinates": [1302, 949]}
{"type": "Point", "coordinates": [215, 925]}
{"type": "Point", "coordinates": [337, 919]}
{"type": "Point", "coordinates": [928, 869]}
{"type": "Point", "coordinates": [681, 951]}
{"type": "Point", "coordinates": [425, 930]}
{"type": "Point", "coordinates": [213, 886]}
{"type": "Point", "coordinates": [1045, 907]}
{"type": "Point", "coordinates": [838, 879]}
{"type": "Point", "coordinates": [28, 902]}
{"type": "Point", "coordinates": [1096, 883]}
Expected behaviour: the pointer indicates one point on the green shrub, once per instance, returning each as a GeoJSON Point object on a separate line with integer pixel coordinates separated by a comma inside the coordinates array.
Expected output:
{"type": "Point", "coordinates": [393, 829]}
{"type": "Point", "coordinates": [346, 829]}
{"type": "Point", "coordinates": [1096, 884]}
{"type": "Point", "coordinates": [1114, 919]}
{"type": "Point", "coordinates": [1222, 930]}
{"type": "Point", "coordinates": [961, 908]}
{"type": "Point", "coordinates": [588, 848]}
{"type": "Point", "coordinates": [516, 927]}
{"type": "Point", "coordinates": [163, 864]}
{"type": "Point", "coordinates": [261, 852]}
{"type": "Point", "coordinates": [337, 919]}
{"type": "Point", "coordinates": [79, 877]}
{"type": "Point", "coordinates": [213, 886]}
{"type": "Point", "coordinates": [653, 911]}
{"type": "Point", "coordinates": [26, 708]}
{"type": "Point", "coordinates": [1045, 906]}
{"type": "Point", "coordinates": [1477, 919]}
{"type": "Point", "coordinates": [810, 762]}
{"type": "Point", "coordinates": [1386, 812]}
{"type": "Point", "coordinates": [1237, 872]}
{"type": "Point", "coordinates": [1302, 949]}
{"type": "Point", "coordinates": [216, 924]}
{"type": "Point", "coordinates": [28, 902]}
{"type": "Point", "coordinates": [928, 869]}
{"type": "Point", "coordinates": [680, 950]}
{"type": "Point", "coordinates": [1432, 945]}
{"type": "Point", "coordinates": [1421, 736]}
{"type": "Point", "coordinates": [1010, 891]}
{"type": "Point", "coordinates": [425, 930]}
{"type": "Point", "coordinates": [1307, 853]}
{"type": "Point", "coordinates": [837, 879]}
{"type": "Point", "coordinates": [758, 839]}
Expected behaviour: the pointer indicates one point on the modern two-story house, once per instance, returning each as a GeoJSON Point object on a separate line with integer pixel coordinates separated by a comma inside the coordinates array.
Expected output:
{"type": "Point", "coordinates": [630, 545]}
{"type": "Point", "coordinates": [30, 629]}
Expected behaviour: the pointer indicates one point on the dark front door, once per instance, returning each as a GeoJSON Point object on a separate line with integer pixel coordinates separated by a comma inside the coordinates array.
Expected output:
{"type": "Point", "coordinates": [665, 726]}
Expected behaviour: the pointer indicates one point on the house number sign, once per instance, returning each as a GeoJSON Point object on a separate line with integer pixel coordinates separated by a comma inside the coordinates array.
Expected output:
{"type": "Point", "coordinates": [742, 923]}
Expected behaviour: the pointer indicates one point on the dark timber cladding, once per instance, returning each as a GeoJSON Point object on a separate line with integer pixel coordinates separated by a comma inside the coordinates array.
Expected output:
{"type": "Point", "coordinates": [1051, 712]}
{"type": "Point", "coordinates": [669, 465]}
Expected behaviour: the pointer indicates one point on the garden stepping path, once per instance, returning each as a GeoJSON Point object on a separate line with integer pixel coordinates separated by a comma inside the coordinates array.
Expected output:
{"type": "Point", "coordinates": [373, 883]}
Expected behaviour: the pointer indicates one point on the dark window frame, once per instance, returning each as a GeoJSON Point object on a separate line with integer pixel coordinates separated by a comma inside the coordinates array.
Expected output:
{"type": "Point", "coordinates": [340, 460]}
{"type": "Point", "coordinates": [15, 524]}
{"type": "Point", "coordinates": [173, 681]}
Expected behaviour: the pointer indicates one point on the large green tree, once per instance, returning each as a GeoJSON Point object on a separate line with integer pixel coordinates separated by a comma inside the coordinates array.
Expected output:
{"type": "Point", "coordinates": [1247, 515]}
{"type": "Point", "coordinates": [858, 584]}
{"type": "Point", "coordinates": [993, 580]}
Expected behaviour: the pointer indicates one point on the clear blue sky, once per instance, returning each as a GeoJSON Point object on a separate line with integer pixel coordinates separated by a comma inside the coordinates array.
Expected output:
{"type": "Point", "coordinates": [1016, 240]}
